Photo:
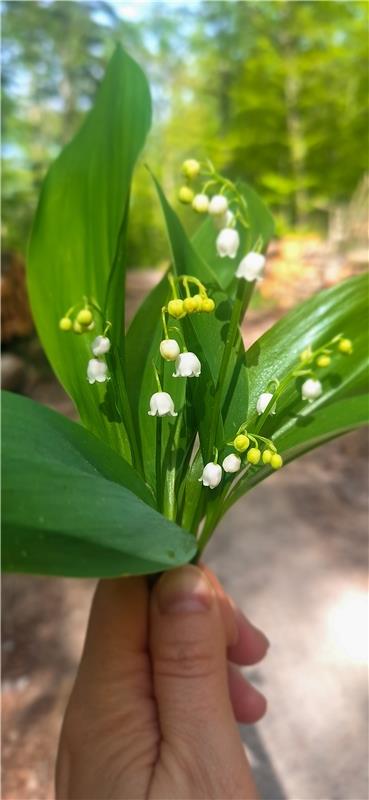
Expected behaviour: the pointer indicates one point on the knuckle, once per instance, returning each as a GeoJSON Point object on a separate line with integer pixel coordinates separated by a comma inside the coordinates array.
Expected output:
{"type": "Point", "coordinates": [184, 659]}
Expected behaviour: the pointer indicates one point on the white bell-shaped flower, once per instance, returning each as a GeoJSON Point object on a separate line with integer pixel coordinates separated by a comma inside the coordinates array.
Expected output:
{"type": "Point", "coordinates": [161, 405]}
{"type": "Point", "coordinates": [100, 345]}
{"type": "Point", "coordinates": [212, 475]}
{"type": "Point", "coordinates": [169, 349]}
{"type": "Point", "coordinates": [218, 205]}
{"type": "Point", "coordinates": [311, 389]}
{"type": "Point", "coordinates": [225, 220]}
{"type": "Point", "coordinates": [231, 463]}
{"type": "Point", "coordinates": [251, 267]}
{"type": "Point", "coordinates": [96, 371]}
{"type": "Point", "coordinates": [187, 366]}
{"type": "Point", "coordinates": [228, 242]}
{"type": "Point", "coordinates": [263, 401]}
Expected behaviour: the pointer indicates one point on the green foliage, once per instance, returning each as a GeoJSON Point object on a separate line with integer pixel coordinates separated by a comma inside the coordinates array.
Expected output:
{"type": "Point", "coordinates": [73, 507]}
{"type": "Point", "coordinates": [125, 499]}
{"type": "Point", "coordinates": [298, 426]}
{"type": "Point", "coordinates": [275, 93]}
{"type": "Point", "coordinates": [78, 240]}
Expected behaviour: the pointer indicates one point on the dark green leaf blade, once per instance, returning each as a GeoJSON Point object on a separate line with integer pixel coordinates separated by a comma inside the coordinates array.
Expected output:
{"type": "Point", "coordinates": [298, 426]}
{"type": "Point", "coordinates": [72, 507]}
{"type": "Point", "coordinates": [78, 235]}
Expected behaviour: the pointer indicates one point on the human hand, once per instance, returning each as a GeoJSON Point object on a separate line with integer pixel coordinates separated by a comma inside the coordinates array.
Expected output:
{"type": "Point", "coordinates": [153, 710]}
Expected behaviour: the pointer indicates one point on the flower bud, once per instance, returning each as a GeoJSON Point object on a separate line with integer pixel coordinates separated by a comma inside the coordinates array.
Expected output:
{"type": "Point", "coordinates": [190, 304]}
{"type": "Point", "coordinates": [253, 455]}
{"type": "Point", "coordinates": [345, 346]}
{"type": "Point", "coordinates": [96, 371]}
{"type": "Point", "coordinates": [218, 205]}
{"type": "Point", "coordinates": [161, 405]}
{"type": "Point", "coordinates": [228, 242]}
{"type": "Point", "coordinates": [251, 267]}
{"type": "Point", "coordinates": [187, 366]}
{"type": "Point", "coordinates": [231, 463]}
{"type": "Point", "coordinates": [200, 203]}
{"type": "Point", "coordinates": [267, 456]}
{"type": "Point", "coordinates": [207, 304]}
{"type": "Point", "coordinates": [77, 327]}
{"type": "Point", "coordinates": [198, 300]}
{"type": "Point", "coordinates": [65, 324]}
{"type": "Point", "coordinates": [306, 354]}
{"type": "Point", "coordinates": [100, 345]}
{"type": "Point", "coordinates": [185, 195]}
{"type": "Point", "coordinates": [190, 168]}
{"type": "Point", "coordinates": [169, 349]}
{"type": "Point", "coordinates": [84, 317]}
{"type": "Point", "coordinates": [276, 461]}
{"type": "Point", "coordinates": [241, 442]}
{"type": "Point", "coordinates": [323, 361]}
{"type": "Point", "coordinates": [311, 390]}
{"type": "Point", "coordinates": [263, 401]}
{"type": "Point", "coordinates": [176, 309]}
{"type": "Point", "coordinates": [212, 475]}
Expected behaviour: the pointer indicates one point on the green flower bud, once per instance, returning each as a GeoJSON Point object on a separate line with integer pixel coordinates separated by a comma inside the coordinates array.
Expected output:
{"type": "Point", "coordinates": [323, 361]}
{"type": "Point", "coordinates": [276, 461]}
{"type": "Point", "coordinates": [176, 309]}
{"type": "Point", "coordinates": [84, 317]}
{"type": "Point", "coordinates": [253, 455]}
{"type": "Point", "coordinates": [207, 304]}
{"type": "Point", "coordinates": [65, 324]}
{"type": "Point", "coordinates": [267, 456]}
{"type": "Point", "coordinates": [345, 346]}
{"type": "Point", "coordinates": [190, 168]}
{"type": "Point", "coordinates": [190, 305]}
{"type": "Point", "coordinates": [185, 195]}
{"type": "Point", "coordinates": [241, 442]}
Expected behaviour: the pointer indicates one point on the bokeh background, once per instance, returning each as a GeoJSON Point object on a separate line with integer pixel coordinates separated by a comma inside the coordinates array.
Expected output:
{"type": "Point", "coordinates": [275, 92]}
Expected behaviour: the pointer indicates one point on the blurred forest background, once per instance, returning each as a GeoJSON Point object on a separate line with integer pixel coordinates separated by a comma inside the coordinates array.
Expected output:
{"type": "Point", "coordinates": [274, 92]}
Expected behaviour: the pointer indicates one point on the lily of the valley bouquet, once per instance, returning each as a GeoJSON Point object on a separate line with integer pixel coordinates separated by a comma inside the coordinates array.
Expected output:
{"type": "Point", "coordinates": [178, 419]}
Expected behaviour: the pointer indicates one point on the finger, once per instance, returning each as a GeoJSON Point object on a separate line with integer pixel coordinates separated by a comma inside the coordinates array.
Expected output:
{"type": "Point", "coordinates": [188, 654]}
{"type": "Point", "coordinates": [115, 650]}
{"type": "Point", "coordinates": [246, 644]}
{"type": "Point", "coordinates": [249, 705]}
{"type": "Point", "coordinates": [251, 645]}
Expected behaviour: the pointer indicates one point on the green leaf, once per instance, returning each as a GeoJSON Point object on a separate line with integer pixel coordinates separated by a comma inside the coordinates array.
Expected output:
{"type": "Point", "coordinates": [73, 507]}
{"type": "Point", "coordinates": [298, 426]}
{"type": "Point", "coordinates": [205, 333]}
{"type": "Point", "coordinates": [77, 244]}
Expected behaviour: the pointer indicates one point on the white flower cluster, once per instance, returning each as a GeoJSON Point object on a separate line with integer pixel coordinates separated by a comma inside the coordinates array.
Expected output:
{"type": "Point", "coordinates": [187, 365]}
{"type": "Point", "coordinates": [251, 267]}
{"type": "Point", "coordinates": [97, 369]}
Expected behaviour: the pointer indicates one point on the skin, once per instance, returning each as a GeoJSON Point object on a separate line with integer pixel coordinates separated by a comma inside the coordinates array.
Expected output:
{"type": "Point", "coordinates": [154, 707]}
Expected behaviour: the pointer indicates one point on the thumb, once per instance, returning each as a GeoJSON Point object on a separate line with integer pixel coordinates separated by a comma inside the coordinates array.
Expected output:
{"type": "Point", "coordinates": [189, 661]}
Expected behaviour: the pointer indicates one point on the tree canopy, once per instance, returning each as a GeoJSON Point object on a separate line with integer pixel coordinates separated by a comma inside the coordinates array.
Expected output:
{"type": "Point", "coordinates": [274, 92]}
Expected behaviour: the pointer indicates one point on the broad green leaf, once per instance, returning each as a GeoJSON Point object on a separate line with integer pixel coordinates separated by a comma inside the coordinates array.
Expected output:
{"type": "Point", "coordinates": [77, 243]}
{"type": "Point", "coordinates": [298, 426]}
{"type": "Point", "coordinates": [73, 507]}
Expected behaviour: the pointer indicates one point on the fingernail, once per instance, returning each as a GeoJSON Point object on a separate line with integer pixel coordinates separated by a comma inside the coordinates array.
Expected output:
{"type": "Point", "coordinates": [184, 590]}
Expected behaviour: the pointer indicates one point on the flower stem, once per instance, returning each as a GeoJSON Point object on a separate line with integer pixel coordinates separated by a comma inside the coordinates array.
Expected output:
{"type": "Point", "coordinates": [232, 330]}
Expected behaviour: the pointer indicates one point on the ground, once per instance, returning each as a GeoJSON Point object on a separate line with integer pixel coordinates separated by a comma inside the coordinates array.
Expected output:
{"type": "Point", "coordinates": [293, 554]}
